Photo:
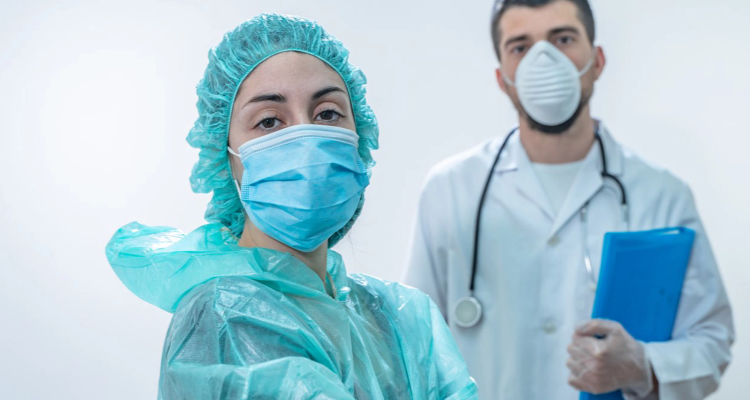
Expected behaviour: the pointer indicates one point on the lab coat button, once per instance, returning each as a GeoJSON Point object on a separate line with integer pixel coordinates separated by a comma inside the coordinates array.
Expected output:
{"type": "Point", "coordinates": [554, 240]}
{"type": "Point", "coordinates": [550, 328]}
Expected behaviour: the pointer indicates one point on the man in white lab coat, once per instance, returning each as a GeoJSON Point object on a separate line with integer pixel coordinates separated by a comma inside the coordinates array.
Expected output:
{"type": "Point", "coordinates": [535, 339]}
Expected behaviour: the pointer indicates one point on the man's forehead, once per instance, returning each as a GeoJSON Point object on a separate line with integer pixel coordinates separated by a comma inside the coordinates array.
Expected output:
{"type": "Point", "coordinates": [522, 20]}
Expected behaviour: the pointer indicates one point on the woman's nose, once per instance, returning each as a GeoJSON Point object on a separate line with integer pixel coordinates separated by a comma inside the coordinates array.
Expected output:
{"type": "Point", "coordinates": [301, 118]}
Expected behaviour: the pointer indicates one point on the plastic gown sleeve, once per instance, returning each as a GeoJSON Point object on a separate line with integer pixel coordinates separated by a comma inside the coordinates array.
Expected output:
{"type": "Point", "coordinates": [285, 378]}
{"type": "Point", "coordinates": [217, 353]}
{"type": "Point", "coordinates": [443, 375]}
{"type": "Point", "coordinates": [456, 383]}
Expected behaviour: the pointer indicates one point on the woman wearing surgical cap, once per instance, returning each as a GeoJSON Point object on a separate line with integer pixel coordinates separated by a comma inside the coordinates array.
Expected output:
{"type": "Point", "coordinates": [262, 308]}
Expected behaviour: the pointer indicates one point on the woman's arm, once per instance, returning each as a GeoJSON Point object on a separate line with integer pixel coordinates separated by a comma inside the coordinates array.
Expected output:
{"type": "Point", "coordinates": [222, 346]}
{"type": "Point", "coordinates": [435, 367]}
{"type": "Point", "coordinates": [454, 377]}
{"type": "Point", "coordinates": [284, 378]}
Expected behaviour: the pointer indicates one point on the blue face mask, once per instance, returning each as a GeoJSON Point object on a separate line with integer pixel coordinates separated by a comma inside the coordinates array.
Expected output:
{"type": "Point", "coordinates": [303, 183]}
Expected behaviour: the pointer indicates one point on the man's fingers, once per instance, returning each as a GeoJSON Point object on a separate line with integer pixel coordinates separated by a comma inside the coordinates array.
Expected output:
{"type": "Point", "coordinates": [577, 352]}
{"type": "Point", "coordinates": [597, 328]}
{"type": "Point", "coordinates": [575, 367]}
{"type": "Point", "coordinates": [577, 383]}
{"type": "Point", "coordinates": [592, 347]}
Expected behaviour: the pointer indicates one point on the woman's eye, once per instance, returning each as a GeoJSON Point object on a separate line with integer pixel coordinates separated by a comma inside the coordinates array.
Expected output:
{"type": "Point", "coordinates": [268, 123]}
{"type": "Point", "coordinates": [329, 116]}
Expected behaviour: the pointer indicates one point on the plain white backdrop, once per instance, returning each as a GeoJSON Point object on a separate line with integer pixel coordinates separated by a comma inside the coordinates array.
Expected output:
{"type": "Point", "coordinates": [97, 98]}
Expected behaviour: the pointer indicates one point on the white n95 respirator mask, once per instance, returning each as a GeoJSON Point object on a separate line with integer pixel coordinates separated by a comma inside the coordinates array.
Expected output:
{"type": "Point", "coordinates": [548, 84]}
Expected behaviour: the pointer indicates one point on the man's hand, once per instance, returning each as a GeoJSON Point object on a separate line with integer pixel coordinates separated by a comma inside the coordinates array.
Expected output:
{"type": "Point", "coordinates": [604, 358]}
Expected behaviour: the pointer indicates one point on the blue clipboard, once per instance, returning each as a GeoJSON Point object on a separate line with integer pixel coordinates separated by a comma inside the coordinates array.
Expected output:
{"type": "Point", "coordinates": [640, 283]}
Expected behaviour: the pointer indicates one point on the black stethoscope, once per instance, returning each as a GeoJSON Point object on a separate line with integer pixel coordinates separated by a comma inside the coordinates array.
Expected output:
{"type": "Point", "coordinates": [467, 311]}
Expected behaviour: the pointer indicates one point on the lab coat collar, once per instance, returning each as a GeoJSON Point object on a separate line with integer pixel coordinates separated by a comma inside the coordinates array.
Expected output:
{"type": "Point", "coordinates": [587, 183]}
{"type": "Point", "coordinates": [509, 160]}
{"type": "Point", "coordinates": [612, 151]}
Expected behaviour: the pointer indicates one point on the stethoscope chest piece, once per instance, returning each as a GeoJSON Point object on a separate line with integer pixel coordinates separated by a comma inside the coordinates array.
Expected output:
{"type": "Point", "coordinates": [467, 312]}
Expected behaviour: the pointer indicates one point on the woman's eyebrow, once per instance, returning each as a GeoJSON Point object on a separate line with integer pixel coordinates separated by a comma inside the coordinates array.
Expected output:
{"type": "Point", "coordinates": [322, 92]}
{"type": "Point", "coordinates": [267, 97]}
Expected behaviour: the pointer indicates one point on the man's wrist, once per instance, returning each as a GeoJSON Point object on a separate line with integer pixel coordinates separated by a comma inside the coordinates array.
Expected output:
{"type": "Point", "coordinates": [646, 385]}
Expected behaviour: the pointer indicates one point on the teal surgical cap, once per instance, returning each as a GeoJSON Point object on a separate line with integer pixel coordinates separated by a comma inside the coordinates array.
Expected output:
{"type": "Point", "coordinates": [229, 64]}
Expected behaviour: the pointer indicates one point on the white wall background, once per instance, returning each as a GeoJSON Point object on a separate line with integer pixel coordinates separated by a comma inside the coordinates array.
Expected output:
{"type": "Point", "coordinates": [96, 99]}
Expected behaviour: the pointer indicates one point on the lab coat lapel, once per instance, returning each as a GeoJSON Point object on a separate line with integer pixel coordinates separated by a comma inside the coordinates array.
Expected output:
{"type": "Point", "coordinates": [589, 179]}
{"type": "Point", "coordinates": [528, 183]}
{"type": "Point", "coordinates": [586, 184]}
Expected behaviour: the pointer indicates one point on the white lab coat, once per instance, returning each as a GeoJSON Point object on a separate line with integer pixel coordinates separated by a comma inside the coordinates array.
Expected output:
{"type": "Point", "coordinates": [531, 278]}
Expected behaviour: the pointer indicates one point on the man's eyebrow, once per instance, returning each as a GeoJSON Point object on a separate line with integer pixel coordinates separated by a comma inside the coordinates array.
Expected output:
{"type": "Point", "coordinates": [563, 29]}
{"type": "Point", "coordinates": [322, 92]}
{"type": "Point", "coordinates": [267, 97]}
{"type": "Point", "coordinates": [555, 31]}
{"type": "Point", "coordinates": [519, 38]}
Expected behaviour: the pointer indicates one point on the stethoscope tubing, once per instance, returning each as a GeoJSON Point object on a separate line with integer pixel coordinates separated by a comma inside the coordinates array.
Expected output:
{"type": "Point", "coordinates": [587, 259]}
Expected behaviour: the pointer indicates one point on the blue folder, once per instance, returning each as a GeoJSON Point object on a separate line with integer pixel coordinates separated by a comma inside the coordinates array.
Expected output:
{"type": "Point", "coordinates": [640, 282]}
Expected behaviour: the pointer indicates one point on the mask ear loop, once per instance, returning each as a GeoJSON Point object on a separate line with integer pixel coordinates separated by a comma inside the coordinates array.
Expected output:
{"type": "Point", "coordinates": [236, 184]}
{"type": "Point", "coordinates": [588, 65]}
{"type": "Point", "coordinates": [505, 78]}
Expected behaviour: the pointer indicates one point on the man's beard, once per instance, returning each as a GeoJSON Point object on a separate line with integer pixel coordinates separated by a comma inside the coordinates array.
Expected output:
{"type": "Point", "coordinates": [555, 129]}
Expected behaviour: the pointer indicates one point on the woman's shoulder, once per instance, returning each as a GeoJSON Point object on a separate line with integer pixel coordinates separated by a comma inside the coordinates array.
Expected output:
{"type": "Point", "coordinates": [234, 294]}
{"type": "Point", "coordinates": [246, 320]}
{"type": "Point", "coordinates": [393, 296]}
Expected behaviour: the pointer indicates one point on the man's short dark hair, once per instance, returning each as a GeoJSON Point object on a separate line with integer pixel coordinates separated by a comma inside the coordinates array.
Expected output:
{"type": "Point", "coordinates": [584, 14]}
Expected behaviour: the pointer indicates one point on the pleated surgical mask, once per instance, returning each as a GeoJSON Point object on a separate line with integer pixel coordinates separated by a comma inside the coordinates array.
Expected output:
{"type": "Point", "coordinates": [303, 183]}
{"type": "Point", "coordinates": [548, 84]}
